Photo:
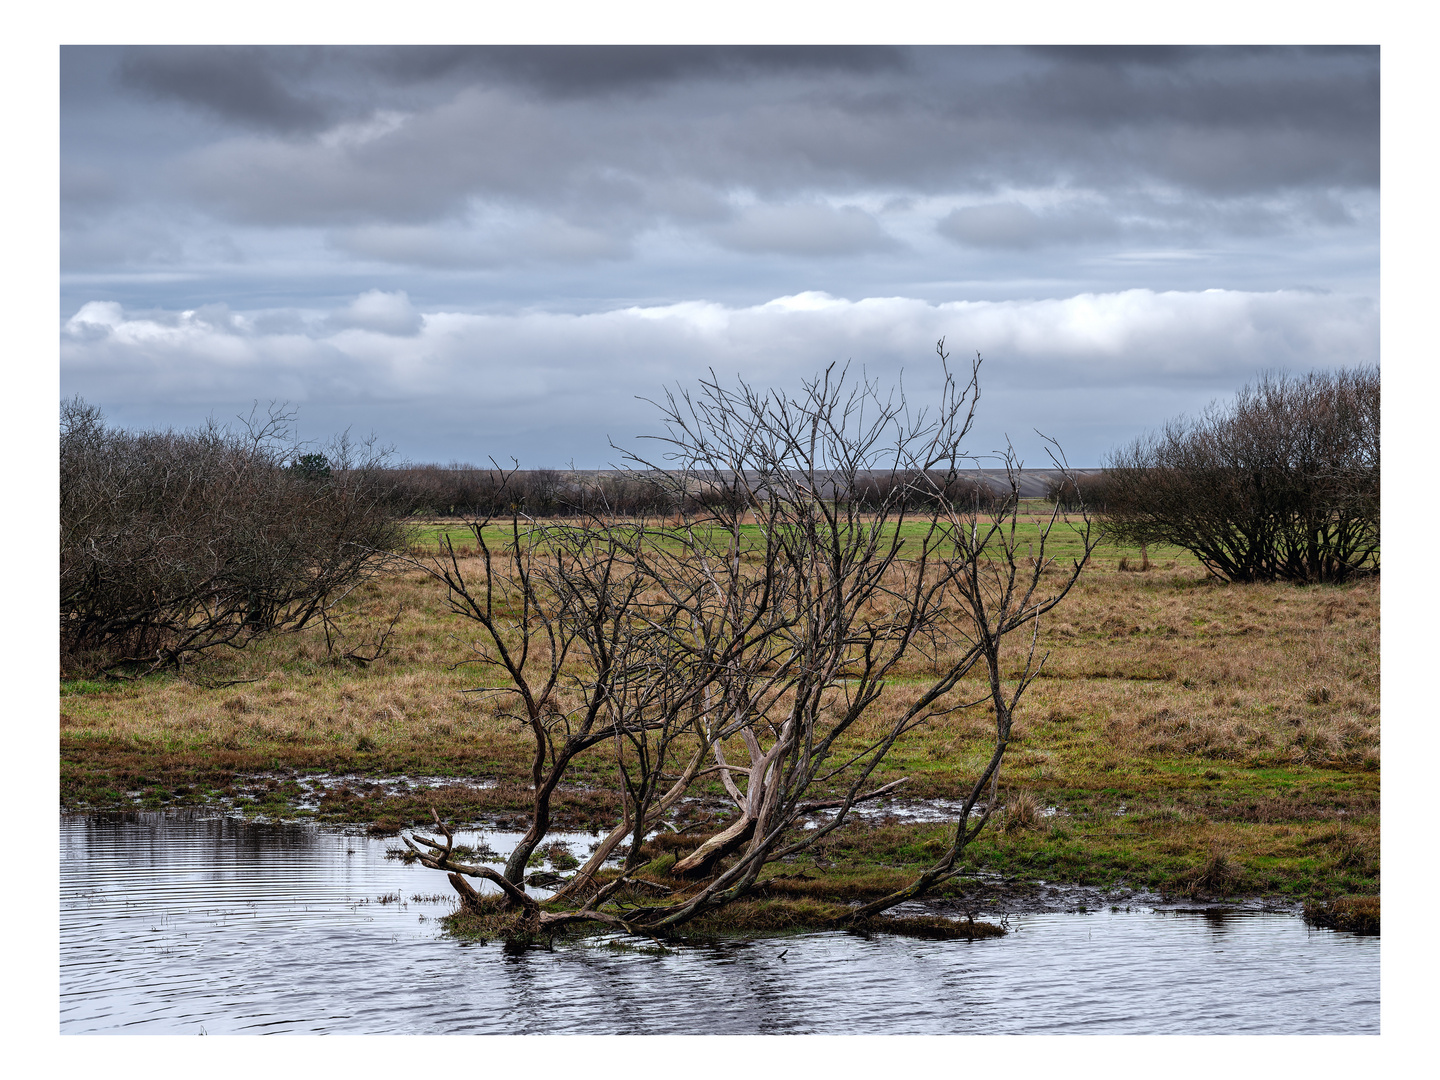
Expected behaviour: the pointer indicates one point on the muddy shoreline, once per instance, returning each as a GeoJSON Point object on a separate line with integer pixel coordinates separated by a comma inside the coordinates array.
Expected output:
{"type": "Point", "coordinates": [992, 898]}
{"type": "Point", "coordinates": [365, 802]}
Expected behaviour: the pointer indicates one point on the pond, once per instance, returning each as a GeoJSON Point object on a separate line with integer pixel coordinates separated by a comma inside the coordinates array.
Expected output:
{"type": "Point", "coordinates": [186, 923]}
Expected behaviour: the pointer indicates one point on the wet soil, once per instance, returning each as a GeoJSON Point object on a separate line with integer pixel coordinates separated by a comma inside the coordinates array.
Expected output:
{"type": "Point", "coordinates": [991, 896]}
{"type": "Point", "coordinates": [383, 805]}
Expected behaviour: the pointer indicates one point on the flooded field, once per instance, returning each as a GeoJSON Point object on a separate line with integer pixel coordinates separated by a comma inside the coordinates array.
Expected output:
{"type": "Point", "coordinates": [186, 922]}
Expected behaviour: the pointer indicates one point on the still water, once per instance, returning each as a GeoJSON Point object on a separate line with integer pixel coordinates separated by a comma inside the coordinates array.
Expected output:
{"type": "Point", "coordinates": [184, 923]}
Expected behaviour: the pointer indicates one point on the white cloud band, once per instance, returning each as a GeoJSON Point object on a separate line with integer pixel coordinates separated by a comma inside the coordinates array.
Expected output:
{"type": "Point", "coordinates": [541, 384]}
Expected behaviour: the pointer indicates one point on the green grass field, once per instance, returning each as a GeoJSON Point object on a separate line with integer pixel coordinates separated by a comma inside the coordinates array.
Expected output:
{"type": "Point", "coordinates": [1064, 544]}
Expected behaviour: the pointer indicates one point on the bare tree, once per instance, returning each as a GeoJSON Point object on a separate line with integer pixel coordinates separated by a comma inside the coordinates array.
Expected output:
{"type": "Point", "coordinates": [823, 539]}
{"type": "Point", "coordinates": [593, 630]}
{"type": "Point", "coordinates": [1282, 483]}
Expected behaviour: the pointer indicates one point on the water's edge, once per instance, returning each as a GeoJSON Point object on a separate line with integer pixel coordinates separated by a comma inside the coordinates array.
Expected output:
{"type": "Point", "coordinates": [181, 922]}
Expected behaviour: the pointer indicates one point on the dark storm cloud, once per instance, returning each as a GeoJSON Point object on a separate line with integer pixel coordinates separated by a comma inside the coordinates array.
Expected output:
{"type": "Point", "coordinates": [542, 124]}
{"type": "Point", "coordinates": [573, 70]}
{"type": "Point", "coordinates": [289, 89]}
{"type": "Point", "coordinates": [1110, 55]}
{"type": "Point", "coordinates": [243, 85]}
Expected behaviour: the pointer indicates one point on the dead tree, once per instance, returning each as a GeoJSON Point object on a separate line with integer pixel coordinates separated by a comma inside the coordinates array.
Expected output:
{"type": "Point", "coordinates": [866, 582]}
{"type": "Point", "coordinates": [754, 632]}
{"type": "Point", "coordinates": [539, 602]}
{"type": "Point", "coordinates": [602, 635]}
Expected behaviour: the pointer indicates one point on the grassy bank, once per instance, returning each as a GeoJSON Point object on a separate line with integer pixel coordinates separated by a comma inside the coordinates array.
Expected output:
{"type": "Point", "coordinates": [1186, 736]}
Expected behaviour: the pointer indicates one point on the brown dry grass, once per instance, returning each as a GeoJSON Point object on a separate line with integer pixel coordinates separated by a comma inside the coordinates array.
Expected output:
{"type": "Point", "coordinates": [1167, 662]}
{"type": "Point", "coordinates": [1243, 719]}
{"type": "Point", "coordinates": [1357, 914]}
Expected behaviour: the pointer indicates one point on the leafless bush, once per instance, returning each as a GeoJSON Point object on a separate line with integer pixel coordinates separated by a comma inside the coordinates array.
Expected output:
{"type": "Point", "coordinates": [175, 543]}
{"type": "Point", "coordinates": [1283, 483]}
{"type": "Point", "coordinates": [442, 489]}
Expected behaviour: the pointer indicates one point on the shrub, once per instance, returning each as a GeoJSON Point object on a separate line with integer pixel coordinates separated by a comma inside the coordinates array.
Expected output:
{"type": "Point", "coordinates": [1078, 491]}
{"type": "Point", "coordinates": [1283, 483]}
{"type": "Point", "coordinates": [175, 543]}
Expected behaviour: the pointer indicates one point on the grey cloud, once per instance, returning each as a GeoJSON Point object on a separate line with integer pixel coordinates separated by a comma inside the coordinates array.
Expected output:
{"type": "Point", "coordinates": [1111, 55]}
{"type": "Point", "coordinates": [1014, 225]}
{"type": "Point", "coordinates": [218, 317]}
{"type": "Point", "coordinates": [1256, 87]}
{"type": "Point", "coordinates": [282, 323]}
{"type": "Point", "coordinates": [400, 167]}
{"type": "Point", "coordinates": [1142, 217]}
{"type": "Point", "coordinates": [1218, 121]}
{"type": "Point", "coordinates": [459, 247]}
{"type": "Point", "coordinates": [562, 71]}
{"type": "Point", "coordinates": [1325, 208]}
{"type": "Point", "coordinates": [803, 229]}
{"type": "Point", "coordinates": [1002, 225]}
{"type": "Point", "coordinates": [415, 245]}
{"type": "Point", "coordinates": [241, 84]}
{"type": "Point", "coordinates": [495, 176]}
{"type": "Point", "coordinates": [88, 186]}
{"type": "Point", "coordinates": [94, 321]}
{"type": "Point", "coordinates": [120, 240]}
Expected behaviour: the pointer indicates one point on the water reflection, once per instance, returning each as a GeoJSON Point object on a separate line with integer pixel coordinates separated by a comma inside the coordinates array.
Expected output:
{"type": "Point", "coordinates": [173, 922]}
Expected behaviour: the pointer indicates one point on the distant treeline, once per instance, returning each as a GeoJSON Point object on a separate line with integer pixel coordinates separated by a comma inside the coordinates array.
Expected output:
{"type": "Point", "coordinates": [468, 490]}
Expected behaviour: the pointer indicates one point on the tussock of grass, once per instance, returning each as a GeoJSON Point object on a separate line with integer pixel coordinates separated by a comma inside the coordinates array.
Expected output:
{"type": "Point", "coordinates": [1023, 811]}
{"type": "Point", "coordinates": [768, 914]}
{"type": "Point", "coordinates": [1218, 876]}
{"type": "Point", "coordinates": [1357, 914]}
{"type": "Point", "coordinates": [866, 884]}
{"type": "Point", "coordinates": [488, 920]}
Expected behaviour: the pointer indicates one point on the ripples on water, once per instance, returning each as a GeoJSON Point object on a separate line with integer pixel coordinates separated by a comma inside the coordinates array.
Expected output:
{"type": "Point", "coordinates": [183, 923]}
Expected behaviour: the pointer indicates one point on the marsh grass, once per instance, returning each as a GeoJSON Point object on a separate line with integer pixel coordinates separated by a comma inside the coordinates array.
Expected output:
{"type": "Point", "coordinates": [1023, 811]}
{"type": "Point", "coordinates": [1217, 876]}
{"type": "Point", "coordinates": [1176, 716]}
{"type": "Point", "coordinates": [1357, 914]}
{"type": "Point", "coordinates": [488, 921]}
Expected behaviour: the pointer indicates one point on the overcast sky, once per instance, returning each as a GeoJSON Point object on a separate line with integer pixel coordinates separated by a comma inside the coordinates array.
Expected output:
{"type": "Point", "coordinates": [495, 251]}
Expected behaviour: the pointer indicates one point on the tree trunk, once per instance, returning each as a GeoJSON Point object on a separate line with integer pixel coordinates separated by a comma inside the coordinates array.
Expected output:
{"type": "Point", "coordinates": [699, 861]}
